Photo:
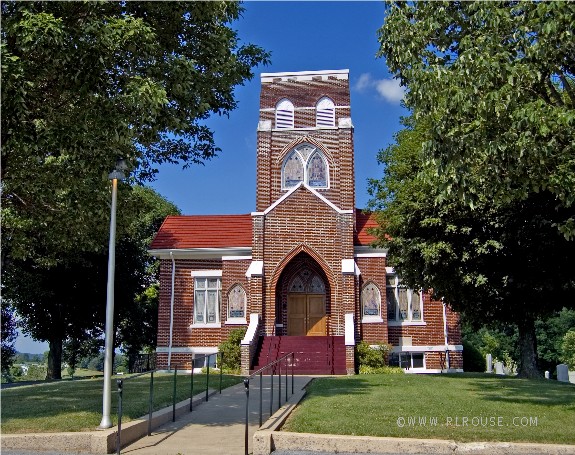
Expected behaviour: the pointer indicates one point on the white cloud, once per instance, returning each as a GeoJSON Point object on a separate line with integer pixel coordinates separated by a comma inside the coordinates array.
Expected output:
{"type": "Point", "coordinates": [364, 82]}
{"type": "Point", "coordinates": [389, 89]}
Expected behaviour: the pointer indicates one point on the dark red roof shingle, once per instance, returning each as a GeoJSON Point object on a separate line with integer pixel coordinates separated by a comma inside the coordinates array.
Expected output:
{"type": "Point", "coordinates": [204, 231]}
{"type": "Point", "coordinates": [224, 231]}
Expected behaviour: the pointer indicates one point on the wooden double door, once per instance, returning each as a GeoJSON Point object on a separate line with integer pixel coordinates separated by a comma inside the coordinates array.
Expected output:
{"type": "Point", "coordinates": [306, 315]}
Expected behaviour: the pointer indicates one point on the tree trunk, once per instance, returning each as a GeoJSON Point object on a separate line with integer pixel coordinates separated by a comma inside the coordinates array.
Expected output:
{"type": "Point", "coordinates": [54, 360]}
{"type": "Point", "coordinates": [527, 349]}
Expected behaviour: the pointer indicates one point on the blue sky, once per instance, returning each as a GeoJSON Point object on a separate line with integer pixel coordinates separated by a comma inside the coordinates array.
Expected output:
{"type": "Point", "coordinates": [302, 36]}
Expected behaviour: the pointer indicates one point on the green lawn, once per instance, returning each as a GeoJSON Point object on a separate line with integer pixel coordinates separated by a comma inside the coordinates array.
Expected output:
{"type": "Point", "coordinates": [465, 408]}
{"type": "Point", "coordinates": [77, 405]}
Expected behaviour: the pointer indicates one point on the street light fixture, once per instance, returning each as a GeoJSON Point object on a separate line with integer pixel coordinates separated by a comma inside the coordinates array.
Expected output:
{"type": "Point", "coordinates": [114, 176]}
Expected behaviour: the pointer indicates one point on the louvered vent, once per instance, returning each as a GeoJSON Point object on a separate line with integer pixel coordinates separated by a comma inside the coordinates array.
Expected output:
{"type": "Point", "coordinates": [284, 114]}
{"type": "Point", "coordinates": [325, 112]}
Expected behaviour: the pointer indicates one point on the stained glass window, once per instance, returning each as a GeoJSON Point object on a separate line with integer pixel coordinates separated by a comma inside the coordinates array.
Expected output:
{"type": "Point", "coordinates": [293, 170]}
{"type": "Point", "coordinates": [207, 300]}
{"type": "Point", "coordinates": [316, 171]}
{"type": "Point", "coordinates": [403, 304]}
{"type": "Point", "coordinates": [237, 302]}
{"type": "Point", "coordinates": [306, 164]}
{"type": "Point", "coordinates": [371, 300]}
{"type": "Point", "coordinates": [391, 304]}
{"type": "Point", "coordinates": [416, 306]}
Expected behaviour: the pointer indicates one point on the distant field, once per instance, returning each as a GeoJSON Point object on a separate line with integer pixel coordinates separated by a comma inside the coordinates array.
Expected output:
{"type": "Point", "coordinates": [466, 407]}
{"type": "Point", "coordinates": [76, 405]}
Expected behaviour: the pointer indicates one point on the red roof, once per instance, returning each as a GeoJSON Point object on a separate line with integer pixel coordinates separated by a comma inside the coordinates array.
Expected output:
{"type": "Point", "coordinates": [225, 231]}
{"type": "Point", "coordinates": [364, 222]}
{"type": "Point", "coordinates": [204, 231]}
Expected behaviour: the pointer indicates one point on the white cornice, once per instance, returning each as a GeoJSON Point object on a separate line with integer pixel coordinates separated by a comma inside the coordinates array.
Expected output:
{"type": "Point", "coordinates": [203, 253]}
{"type": "Point", "coordinates": [304, 75]}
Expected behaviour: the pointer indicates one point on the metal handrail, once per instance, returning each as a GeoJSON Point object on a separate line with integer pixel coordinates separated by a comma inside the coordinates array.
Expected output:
{"type": "Point", "coordinates": [259, 372]}
{"type": "Point", "coordinates": [120, 384]}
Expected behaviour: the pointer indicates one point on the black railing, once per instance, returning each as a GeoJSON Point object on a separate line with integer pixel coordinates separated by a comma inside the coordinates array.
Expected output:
{"type": "Point", "coordinates": [274, 366]}
{"type": "Point", "coordinates": [140, 363]}
{"type": "Point", "coordinates": [120, 384]}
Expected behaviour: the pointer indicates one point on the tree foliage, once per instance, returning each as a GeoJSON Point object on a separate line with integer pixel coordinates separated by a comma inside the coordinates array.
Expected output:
{"type": "Point", "coordinates": [66, 302]}
{"type": "Point", "coordinates": [497, 82]}
{"type": "Point", "coordinates": [86, 82]}
{"type": "Point", "coordinates": [504, 263]}
{"type": "Point", "coordinates": [9, 334]}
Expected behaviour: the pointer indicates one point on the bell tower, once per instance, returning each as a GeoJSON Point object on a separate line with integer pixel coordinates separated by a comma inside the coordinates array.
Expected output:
{"type": "Point", "coordinates": [305, 136]}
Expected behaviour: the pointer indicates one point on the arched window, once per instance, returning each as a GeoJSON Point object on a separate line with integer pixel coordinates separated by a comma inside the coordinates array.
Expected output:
{"type": "Point", "coordinates": [325, 112]}
{"type": "Point", "coordinates": [308, 164]}
{"type": "Point", "coordinates": [237, 303]}
{"type": "Point", "coordinates": [284, 114]}
{"type": "Point", "coordinates": [307, 282]}
{"type": "Point", "coordinates": [292, 170]}
{"type": "Point", "coordinates": [370, 302]}
{"type": "Point", "coordinates": [317, 171]}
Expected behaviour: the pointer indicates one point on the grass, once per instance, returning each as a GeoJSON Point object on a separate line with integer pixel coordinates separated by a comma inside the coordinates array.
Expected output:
{"type": "Point", "coordinates": [76, 405]}
{"type": "Point", "coordinates": [496, 408]}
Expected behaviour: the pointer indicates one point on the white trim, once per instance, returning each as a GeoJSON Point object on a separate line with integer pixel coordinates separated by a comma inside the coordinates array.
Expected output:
{"type": "Point", "coordinates": [206, 273]}
{"type": "Point", "coordinates": [293, 190]}
{"type": "Point", "coordinates": [236, 321]}
{"type": "Point", "coordinates": [369, 252]}
{"type": "Point", "coordinates": [436, 348]}
{"type": "Point", "coordinates": [405, 323]}
{"type": "Point", "coordinates": [209, 325]}
{"type": "Point", "coordinates": [371, 319]}
{"type": "Point", "coordinates": [271, 109]}
{"type": "Point", "coordinates": [390, 271]}
{"type": "Point", "coordinates": [256, 268]}
{"type": "Point", "coordinates": [304, 75]}
{"type": "Point", "coordinates": [172, 296]}
{"type": "Point", "coordinates": [252, 329]}
{"type": "Point", "coordinates": [202, 253]}
{"type": "Point", "coordinates": [349, 330]}
{"type": "Point", "coordinates": [348, 266]}
{"type": "Point", "coordinates": [188, 350]}
{"type": "Point", "coordinates": [236, 258]}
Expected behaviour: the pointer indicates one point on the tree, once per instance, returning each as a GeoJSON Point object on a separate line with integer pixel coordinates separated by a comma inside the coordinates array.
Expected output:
{"type": "Point", "coordinates": [498, 81]}
{"type": "Point", "coordinates": [86, 82]}
{"type": "Point", "coordinates": [503, 263]}
{"type": "Point", "coordinates": [9, 334]}
{"type": "Point", "coordinates": [67, 301]}
{"type": "Point", "coordinates": [568, 349]}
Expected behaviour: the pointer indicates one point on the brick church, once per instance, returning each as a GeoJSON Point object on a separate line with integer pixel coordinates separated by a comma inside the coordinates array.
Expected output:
{"type": "Point", "coordinates": [299, 273]}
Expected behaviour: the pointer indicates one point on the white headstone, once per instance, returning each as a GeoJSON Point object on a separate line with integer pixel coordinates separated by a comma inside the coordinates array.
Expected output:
{"type": "Point", "coordinates": [499, 368]}
{"type": "Point", "coordinates": [562, 372]}
{"type": "Point", "coordinates": [547, 375]}
{"type": "Point", "coordinates": [489, 362]}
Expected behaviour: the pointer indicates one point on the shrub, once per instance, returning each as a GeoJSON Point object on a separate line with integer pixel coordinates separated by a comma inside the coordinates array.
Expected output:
{"type": "Point", "coordinates": [232, 352]}
{"type": "Point", "coordinates": [473, 359]}
{"type": "Point", "coordinates": [372, 357]}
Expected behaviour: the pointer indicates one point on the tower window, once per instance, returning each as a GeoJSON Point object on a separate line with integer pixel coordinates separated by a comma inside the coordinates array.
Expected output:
{"type": "Point", "coordinates": [308, 164]}
{"type": "Point", "coordinates": [325, 112]}
{"type": "Point", "coordinates": [284, 114]}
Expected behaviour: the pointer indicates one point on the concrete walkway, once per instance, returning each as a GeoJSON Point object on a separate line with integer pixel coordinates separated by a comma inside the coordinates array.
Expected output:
{"type": "Point", "coordinates": [218, 426]}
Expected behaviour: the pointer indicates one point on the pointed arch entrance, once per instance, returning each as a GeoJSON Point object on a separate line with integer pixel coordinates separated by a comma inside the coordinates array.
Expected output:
{"type": "Point", "coordinates": [304, 292]}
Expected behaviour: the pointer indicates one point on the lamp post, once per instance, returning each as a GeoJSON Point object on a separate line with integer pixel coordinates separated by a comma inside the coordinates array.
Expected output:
{"type": "Point", "coordinates": [117, 173]}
